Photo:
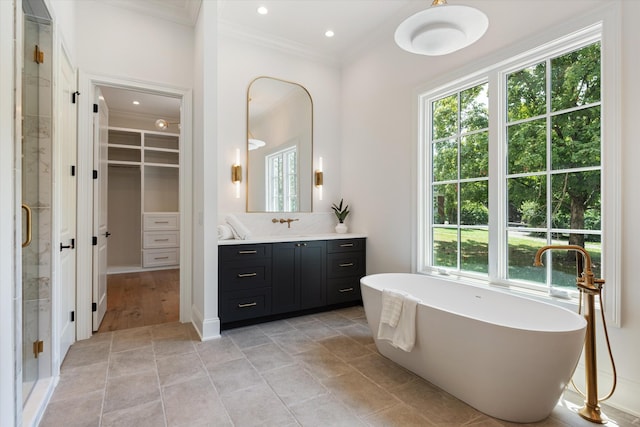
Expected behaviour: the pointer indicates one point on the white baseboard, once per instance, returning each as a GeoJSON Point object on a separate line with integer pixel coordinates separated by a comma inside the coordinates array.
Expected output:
{"type": "Point", "coordinates": [207, 329]}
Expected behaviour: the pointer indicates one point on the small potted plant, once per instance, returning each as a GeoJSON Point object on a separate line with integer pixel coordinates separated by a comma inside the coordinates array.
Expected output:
{"type": "Point", "coordinates": [341, 214]}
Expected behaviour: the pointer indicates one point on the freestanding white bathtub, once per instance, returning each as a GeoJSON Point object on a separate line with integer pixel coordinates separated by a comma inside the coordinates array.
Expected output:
{"type": "Point", "coordinates": [506, 356]}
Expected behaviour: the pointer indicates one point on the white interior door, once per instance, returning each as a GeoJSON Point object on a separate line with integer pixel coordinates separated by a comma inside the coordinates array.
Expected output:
{"type": "Point", "coordinates": [67, 142]}
{"type": "Point", "coordinates": [100, 223]}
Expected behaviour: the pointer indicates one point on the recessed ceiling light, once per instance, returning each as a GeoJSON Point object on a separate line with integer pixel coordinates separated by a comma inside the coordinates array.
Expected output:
{"type": "Point", "coordinates": [136, 102]}
{"type": "Point", "coordinates": [262, 10]}
{"type": "Point", "coordinates": [329, 33]}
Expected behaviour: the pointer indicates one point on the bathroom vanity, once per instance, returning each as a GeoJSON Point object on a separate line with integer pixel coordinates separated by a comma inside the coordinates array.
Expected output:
{"type": "Point", "coordinates": [263, 279]}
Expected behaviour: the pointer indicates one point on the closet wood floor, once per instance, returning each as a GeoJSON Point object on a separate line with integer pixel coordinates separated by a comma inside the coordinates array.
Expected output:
{"type": "Point", "coordinates": [141, 299]}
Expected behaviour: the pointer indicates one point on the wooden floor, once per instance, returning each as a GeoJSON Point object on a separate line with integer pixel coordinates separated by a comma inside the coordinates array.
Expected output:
{"type": "Point", "coordinates": [141, 299]}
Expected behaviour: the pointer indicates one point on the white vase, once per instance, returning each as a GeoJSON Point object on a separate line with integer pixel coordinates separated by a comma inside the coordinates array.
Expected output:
{"type": "Point", "coordinates": [341, 228]}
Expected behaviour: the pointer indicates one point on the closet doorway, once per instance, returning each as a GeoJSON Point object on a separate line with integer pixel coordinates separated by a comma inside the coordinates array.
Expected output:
{"type": "Point", "coordinates": [136, 208]}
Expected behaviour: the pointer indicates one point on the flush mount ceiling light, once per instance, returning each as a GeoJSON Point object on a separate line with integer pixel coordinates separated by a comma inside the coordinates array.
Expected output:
{"type": "Point", "coordinates": [441, 29]}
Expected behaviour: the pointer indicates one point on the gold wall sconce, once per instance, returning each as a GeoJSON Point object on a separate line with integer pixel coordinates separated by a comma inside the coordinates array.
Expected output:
{"type": "Point", "coordinates": [319, 179]}
{"type": "Point", "coordinates": [236, 173]}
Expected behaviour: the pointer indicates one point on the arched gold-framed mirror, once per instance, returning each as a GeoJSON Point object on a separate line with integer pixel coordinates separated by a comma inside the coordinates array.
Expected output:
{"type": "Point", "coordinates": [279, 146]}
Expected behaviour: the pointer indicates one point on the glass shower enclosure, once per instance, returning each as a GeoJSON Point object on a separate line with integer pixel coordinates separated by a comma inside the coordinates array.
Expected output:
{"type": "Point", "coordinates": [36, 182]}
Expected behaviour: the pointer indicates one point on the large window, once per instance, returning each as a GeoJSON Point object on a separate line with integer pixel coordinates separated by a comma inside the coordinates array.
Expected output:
{"type": "Point", "coordinates": [512, 160]}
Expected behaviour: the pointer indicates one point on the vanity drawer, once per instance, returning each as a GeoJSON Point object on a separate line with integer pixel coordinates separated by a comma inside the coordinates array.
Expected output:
{"type": "Point", "coordinates": [243, 253]}
{"type": "Point", "coordinates": [161, 239]}
{"type": "Point", "coordinates": [161, 221]}
{"type": "Point", "coordinates": [343, 290]}
{"type": "Point", "coordinates": [345, 265]}
{"type": "Point", "coordinates": [244, 276]}
{"type": "Point", "coordinates": [242, 305]}
{"type": "Point", "coordinates": [345, 245]}
{"type": "Point", "coordinates": [160, 257]}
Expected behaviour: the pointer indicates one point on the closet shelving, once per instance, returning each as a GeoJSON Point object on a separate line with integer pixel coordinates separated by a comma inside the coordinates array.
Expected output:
{"type": "Point", "coordinates": [143, 213]}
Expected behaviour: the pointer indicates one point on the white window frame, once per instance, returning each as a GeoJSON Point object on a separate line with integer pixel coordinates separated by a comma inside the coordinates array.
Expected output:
{"type": "Point", "coordinates": [603, 25]}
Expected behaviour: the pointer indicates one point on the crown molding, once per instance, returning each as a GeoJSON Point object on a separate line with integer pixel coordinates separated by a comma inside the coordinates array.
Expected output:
{"type": "Point", "coordinates": [183, 12]}
{"type": "Point", "coordinates": [270, 41]}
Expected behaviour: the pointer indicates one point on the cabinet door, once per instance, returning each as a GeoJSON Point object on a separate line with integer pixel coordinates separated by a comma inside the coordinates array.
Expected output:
{"type": "Point", "coordinates": [299, 276]}
{"type": "Point", "coordinates": [285, 283]}
{"type": "Point", "coordinates": [313, 261]}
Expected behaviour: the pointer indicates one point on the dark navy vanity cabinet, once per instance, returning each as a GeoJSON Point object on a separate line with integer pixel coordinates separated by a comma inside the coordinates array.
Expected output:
{"type": "Point", "coordinates": [261, 282]}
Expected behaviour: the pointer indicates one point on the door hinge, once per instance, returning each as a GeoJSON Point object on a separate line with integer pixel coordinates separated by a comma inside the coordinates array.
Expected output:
{"type": "Point", "coordinates": [94, 307]}
{"type": "Point", "coordinates": [73, 170]}
{"type": "Point", "coordinates": [95, 174]}
{"type": "Point", "coordinates": [95, 108]}
{"type": "Point", "coordinates": [74, 97]}
{"type": "Point", "coordinates": [73, 316]}
{"type": "Point", "coordinates": [38, 347]}
{"type": "Point", "coordinates": [94, 240]}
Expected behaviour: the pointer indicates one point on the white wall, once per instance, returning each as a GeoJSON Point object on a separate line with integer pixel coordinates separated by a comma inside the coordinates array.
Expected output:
{"type": "Point", "coordinates": [205, 174]}
{"type": "Point", "coordinates": [626, 341]}
{"type": "Point", "coordinates": [116, 42]}
{"type": "Point", "coordinates": [240, 62]}
{"type": "Point", "coordinates": [379, 121]}
{"type": "Point", "coordinates": [64, 15]}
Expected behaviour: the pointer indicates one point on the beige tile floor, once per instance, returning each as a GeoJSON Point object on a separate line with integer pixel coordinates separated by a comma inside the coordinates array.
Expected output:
{"type": "Point", "coordinates": [316, 370]}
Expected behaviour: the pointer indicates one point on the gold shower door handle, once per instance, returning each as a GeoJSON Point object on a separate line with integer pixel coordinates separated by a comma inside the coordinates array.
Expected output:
{"type": "Point", "coordinates": [27, 209]}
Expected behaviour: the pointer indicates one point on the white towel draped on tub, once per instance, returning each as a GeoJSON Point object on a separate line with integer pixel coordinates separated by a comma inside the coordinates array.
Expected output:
{"type": "Point", "coordinates": [398, 319]}
{"type": "Point", "coordinates": [390, 315]}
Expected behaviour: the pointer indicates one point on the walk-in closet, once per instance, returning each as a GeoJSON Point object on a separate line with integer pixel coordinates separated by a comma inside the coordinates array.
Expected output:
{"type": "Point", "coordinates": [143, 215]}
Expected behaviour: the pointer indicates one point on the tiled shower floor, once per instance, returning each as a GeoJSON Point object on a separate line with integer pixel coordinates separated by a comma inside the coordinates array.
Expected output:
{"type": "Point", "coordinates": [316, 370]}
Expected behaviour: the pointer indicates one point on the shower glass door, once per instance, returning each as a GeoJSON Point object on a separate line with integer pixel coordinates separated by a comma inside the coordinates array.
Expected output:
{"type": "Point", "coordinates": [36, 179]}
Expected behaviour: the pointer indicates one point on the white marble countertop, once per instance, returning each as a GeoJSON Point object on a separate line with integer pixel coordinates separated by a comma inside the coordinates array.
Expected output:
{"type": "Point", "coordinates": [291, 238]}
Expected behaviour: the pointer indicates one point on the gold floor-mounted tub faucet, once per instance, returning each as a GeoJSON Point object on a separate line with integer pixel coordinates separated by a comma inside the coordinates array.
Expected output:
{"type": "Point", "coordinates": [590, 286]}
